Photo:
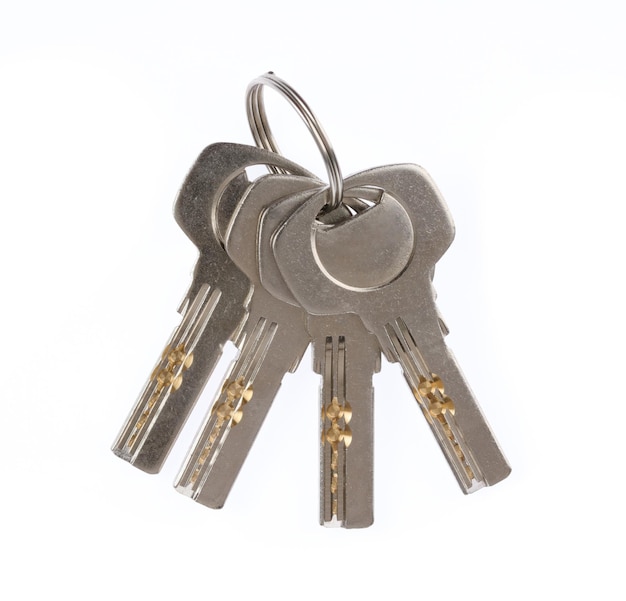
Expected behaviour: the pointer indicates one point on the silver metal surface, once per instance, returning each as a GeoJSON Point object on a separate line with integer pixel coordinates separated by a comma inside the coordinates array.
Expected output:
{"type": "Point", "coordinates": [365, 258]}
{"type": "Point", "coordinates": [270, 220]}
{"type": "Point", "coordinates": [212, 311]}
{"type": "Point", "coordinates": [346, 356]}
{"type": "Point", "coordinates": [272, 342]}
{"type": "Point", "coordinates": [264, 138]}
{"type": "Point", "coordinates": [401, 312]}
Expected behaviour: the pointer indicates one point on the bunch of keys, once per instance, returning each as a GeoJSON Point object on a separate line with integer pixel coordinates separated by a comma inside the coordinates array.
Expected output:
{"type": "Point", "coordinates": [287, 261]}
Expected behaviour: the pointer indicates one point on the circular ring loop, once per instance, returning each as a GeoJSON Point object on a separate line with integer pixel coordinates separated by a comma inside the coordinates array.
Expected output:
{"type": "Point", "coordinates": [257, 118]}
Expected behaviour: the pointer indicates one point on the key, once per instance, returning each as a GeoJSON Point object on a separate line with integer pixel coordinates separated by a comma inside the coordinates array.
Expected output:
{"type": "Point", "coordinates": [212, 311]}
{"type": "Point", "coordinates": [272, 342]}
{"type": "Point", "coordinates": [383, 274]}
{"type": "Point", "coordinates": [346, 356]}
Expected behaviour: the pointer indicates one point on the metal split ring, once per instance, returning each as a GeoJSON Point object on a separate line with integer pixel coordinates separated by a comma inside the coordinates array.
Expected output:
{"type": "Point", "coordinates": [257, 118]}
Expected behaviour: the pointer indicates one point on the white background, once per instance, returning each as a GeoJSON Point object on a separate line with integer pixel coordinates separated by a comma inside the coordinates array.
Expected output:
{"type": "Point", "coordinates": [517, 110]}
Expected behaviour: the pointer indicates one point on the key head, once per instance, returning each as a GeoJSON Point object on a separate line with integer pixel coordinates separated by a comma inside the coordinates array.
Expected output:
{"type": "Point", "coordinates": [345, 250]}
{"type": "Point", "coordinates": [212, 188]}
{"type": "Point", "coordinates": [270, 221]}
{"type": "Point", "coordinates": [219, 166]}
{"type": "Point", "coordinates": [404, 234]}
{"type": "Point", "coordinates": [242, 235]}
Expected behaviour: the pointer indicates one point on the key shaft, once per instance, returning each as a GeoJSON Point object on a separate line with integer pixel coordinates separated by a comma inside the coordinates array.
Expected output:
{"type": "Point", "coordinates": [212, 311]}
{"type": "Point", "coordinates": [142, 440]}
{"type": "Point", "coordinates": [346, 356]}
{"type": "Point", "coordinates": [273, 341]}
{"type": "Point", "coordinates": [400, 311]}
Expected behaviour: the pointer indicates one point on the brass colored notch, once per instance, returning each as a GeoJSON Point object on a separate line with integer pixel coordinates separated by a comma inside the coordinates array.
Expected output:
{"type": "Point", "coordinates": [430, 393]}
{"type": "Point", "coordinates": [163, 377]}
{"type": "Point", "coordinates": [226, 411]}
{"type": "Point", "coordinates": [430, 385]}
{"type": "Point", "coordinates": [334, 436]}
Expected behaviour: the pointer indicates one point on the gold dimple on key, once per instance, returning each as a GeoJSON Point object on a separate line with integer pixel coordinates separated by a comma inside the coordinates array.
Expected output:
{"type": "Point", "coordinates": [334, 435]}
{"type": "Point", "coordinates": [436, 405]}
{"type": "Point", "coordinates": [163, 377]}
{"type": "Point", "coordinates": [352, 238]}
{"type": "Point", "coordinates": [236, 390]}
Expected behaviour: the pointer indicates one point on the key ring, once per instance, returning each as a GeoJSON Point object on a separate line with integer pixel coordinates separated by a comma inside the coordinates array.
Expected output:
{"type": "Point", "coordinates": [257, 118]}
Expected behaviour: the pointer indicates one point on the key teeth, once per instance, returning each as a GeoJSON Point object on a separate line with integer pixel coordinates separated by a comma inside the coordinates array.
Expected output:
{"type": "Point", "coordinates": [187, 491]}
{"type": "Point", "coordinates": [136, 461]}
{"type": "Point", "coordinates": [333, 523]}
{"type": "Point", "coordinates": [121, 454]}
{"type": "Point", "coordinates": [346, 523]}
{"type": "Point", "coordinates": [194, 494]}
{"type": "Point", "coordinates": [476, 486]}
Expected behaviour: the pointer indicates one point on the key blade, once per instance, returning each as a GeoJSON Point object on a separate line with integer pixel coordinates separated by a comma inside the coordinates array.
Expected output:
{"type": "Point", "coordinates": [273, 344]}
{"type": "Point", "coordinates": [346, 356]}
{"type": "Point", "coordinates": [449, 405]}
{"type": "Point", "coordinates": [272, 348]}
{"type": "Point", "coordinates": [211, 189]}
{"type": "Point", "coordinates": [190, 356]}
{"type": "Point", "coordinates": [214, 170]}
